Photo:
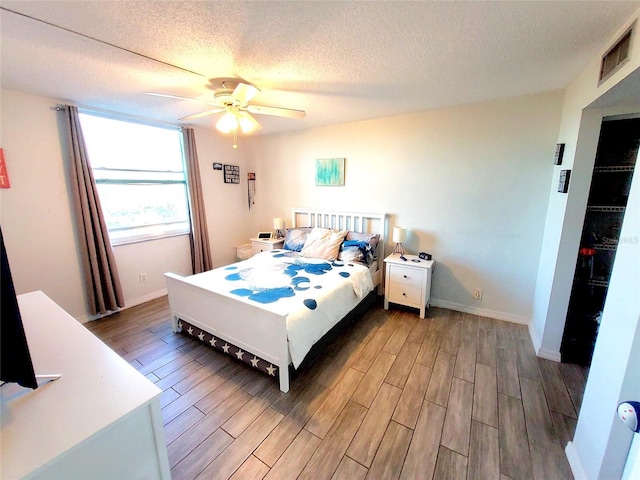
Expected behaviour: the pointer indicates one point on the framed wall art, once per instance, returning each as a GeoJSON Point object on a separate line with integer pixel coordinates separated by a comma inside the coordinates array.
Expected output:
{"type": "Point", "coordinates": [563, 182]}
{"type": "Point", "coordinates": [4, 175]}
{"type": "Point", "coordinates": [330, 172]}
{"type": "Point", "coordinates": [231, 174]}
{"type": "Point", "coordinates": [557, 160]}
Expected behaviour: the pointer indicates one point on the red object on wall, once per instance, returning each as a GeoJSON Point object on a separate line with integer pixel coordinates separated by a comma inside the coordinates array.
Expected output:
{"type": "Point", "coordinates": [4, 176]}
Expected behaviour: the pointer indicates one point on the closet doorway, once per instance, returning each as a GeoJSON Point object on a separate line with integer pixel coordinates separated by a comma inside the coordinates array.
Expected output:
{"type": "Point", "coordinates": [615, 162]}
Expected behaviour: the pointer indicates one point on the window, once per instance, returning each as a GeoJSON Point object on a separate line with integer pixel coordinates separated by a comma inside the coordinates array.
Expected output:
{"type": "Point", "coordinates": [139, 174]}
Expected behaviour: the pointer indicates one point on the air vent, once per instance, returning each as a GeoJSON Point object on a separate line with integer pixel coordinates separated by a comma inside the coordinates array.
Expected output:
{"type": "Point", "coordinates": [617, 55]}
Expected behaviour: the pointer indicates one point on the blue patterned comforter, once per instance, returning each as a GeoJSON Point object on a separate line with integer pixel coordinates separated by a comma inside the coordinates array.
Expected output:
{"type": "Point", "coordinates": [314, 294]}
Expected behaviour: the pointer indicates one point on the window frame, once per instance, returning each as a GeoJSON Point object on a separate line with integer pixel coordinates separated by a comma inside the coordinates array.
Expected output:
{"type": "Point", "coordinates": [152, 231]}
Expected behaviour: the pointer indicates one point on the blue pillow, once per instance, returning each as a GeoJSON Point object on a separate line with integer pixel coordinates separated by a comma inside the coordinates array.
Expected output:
{"type": "Point", "coordinates": [356, 251]}
{"type": "Point", "coordinates": [296, 238]}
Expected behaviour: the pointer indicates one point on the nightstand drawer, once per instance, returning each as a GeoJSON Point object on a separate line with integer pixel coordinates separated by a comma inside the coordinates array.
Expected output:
{"type": "Point", "coordinates": [407, 275]}
{"type": "Point", "coordinates": [405, 294]}
{"type": "Point", "coordinates": [265, 244]}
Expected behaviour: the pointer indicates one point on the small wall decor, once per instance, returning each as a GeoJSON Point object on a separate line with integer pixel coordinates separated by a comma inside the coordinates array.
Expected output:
{"type": "Point", "coordinates": [563, 183]}
{"type": "Point", "coordinates": [217, 166]}
{"type": "Point", "coordinates": [251, 188]}
{"type": "Point", "coordinates": [231, 174]}
{"type": "Point", "coordinates": [559, 153]}
{"type": "Point", "coordinates": [330, 172]}
{"type": "Point", "coordinates": [4, 175]}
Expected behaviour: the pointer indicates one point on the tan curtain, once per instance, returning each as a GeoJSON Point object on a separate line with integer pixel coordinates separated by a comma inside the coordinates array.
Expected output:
{"type": "Point", "coordinates": [103, 287]}
{"type": "Point", "coordinates": [200, 251]}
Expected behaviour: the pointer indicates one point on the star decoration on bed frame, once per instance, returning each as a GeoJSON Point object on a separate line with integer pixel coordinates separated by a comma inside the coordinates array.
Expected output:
{"type": "Point", "coordinates": [228, 348]}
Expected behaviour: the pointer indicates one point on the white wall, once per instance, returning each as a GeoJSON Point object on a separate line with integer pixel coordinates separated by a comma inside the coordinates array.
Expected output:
{"type": "Point", "coordinates": [172, 255]}
{"type": "Point", "coordinates": [229, 219]}
{"type": "Point", "coordinates": [35, 213]}
{"type": "Point", "coordinates": [600, 444]}
{"type": "Point", "coordinates": [469, 182]}
{"type": "Point", "coordinates": [39, 232]}
{"type": "Point", "coordinates": [579, 130]}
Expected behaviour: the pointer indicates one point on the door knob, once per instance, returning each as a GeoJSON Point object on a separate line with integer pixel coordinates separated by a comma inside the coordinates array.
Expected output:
{"type": "Point", "coordinates": [629, 412]}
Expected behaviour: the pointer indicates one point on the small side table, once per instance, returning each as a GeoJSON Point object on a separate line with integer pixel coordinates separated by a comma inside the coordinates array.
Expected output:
{"type": "Point", "coordinates": [408, 282]}
{"type": "Point", "coordinates": [263, 244]}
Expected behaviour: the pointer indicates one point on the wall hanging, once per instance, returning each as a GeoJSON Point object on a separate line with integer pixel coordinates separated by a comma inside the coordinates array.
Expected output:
{"type": "Point", "coordinates": [251, 188]}
{"type": "Point", "coordinates": [330, 172]}
{"type": "Point", "coordinates": [231, 174]}
{"type": "Point", "coordinates": [559, 153]}
{"type": "Point", "coordinates": [563, 182]}
{"type": "Point", "coordinates": [4, 175]}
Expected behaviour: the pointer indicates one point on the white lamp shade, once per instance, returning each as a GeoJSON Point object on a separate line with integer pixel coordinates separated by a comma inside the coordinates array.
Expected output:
{"type": "Point", "coordinates": [247, 123]}
{"type": "Point", "coordinates": [399, 234]}
{"type": "Point", "coordinates": [278, 223]}
{"type": "Point", "coordinates": [227, 122]}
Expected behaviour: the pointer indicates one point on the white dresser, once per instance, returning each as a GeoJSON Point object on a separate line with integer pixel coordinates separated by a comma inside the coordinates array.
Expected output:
{"type": "Point", "coordinates": [100, 420]}
{"type": "Point", "coordinates": [408, 282]}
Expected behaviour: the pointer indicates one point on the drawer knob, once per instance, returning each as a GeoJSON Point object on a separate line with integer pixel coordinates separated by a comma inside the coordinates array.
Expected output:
{"type": "Point", "coordinates": [404, 276]}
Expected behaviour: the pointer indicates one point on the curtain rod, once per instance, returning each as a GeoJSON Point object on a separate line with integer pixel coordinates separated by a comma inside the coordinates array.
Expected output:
{"type": "Point", "coordinates": [122, 116]}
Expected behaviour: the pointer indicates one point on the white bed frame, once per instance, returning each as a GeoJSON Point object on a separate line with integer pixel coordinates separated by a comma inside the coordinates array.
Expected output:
{"type": "Point", "coordinates": [250, 327]}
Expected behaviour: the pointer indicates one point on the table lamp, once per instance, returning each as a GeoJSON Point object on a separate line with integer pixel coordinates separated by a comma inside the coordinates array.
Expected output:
{"type": "Point", "coordinates": [399, 236]}
{"type": "Point", "coordinates": [278, 226]}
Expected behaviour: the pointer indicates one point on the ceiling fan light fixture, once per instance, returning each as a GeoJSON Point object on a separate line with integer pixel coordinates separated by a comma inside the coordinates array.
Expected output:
{"type": "Point", "coordinates": [248, 124]}
{"type": "Point", "coordinates": [227, 123]}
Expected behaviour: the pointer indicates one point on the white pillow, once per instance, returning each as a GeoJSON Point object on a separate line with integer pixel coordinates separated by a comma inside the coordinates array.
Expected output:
{"type": "Point", "coordinates": [323, 243]}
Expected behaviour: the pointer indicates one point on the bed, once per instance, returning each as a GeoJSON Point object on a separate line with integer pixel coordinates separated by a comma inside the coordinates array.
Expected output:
{"type": "Point", "coordinates": [269, 310]}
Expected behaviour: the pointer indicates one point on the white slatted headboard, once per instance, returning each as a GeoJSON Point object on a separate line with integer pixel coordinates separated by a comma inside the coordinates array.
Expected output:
{"type": "Point", "coordinates": [353, 221]}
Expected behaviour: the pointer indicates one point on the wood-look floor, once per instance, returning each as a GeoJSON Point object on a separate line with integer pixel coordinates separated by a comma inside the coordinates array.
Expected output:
{"type": "Point", "coordinates": [393, 396]}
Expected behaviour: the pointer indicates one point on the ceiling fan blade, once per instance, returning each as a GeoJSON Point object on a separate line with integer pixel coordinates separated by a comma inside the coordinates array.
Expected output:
{"type": "Point", "coordinates": [166, 95]}
{"type": "Point", "coordinates": [276, 111]}
{"type": "Point", "coordinates": [203, 114]}
{"type": "Point", "coordinates": [243, 93]}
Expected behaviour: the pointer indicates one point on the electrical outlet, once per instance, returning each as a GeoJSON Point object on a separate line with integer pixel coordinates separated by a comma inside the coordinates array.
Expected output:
{"type": "Point", "coordinates": [477, 293]}
{"type": "Point", "coordinates": [143, 277]}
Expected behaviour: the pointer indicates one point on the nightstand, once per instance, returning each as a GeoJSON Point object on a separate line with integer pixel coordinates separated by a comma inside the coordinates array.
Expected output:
{"type": "Point", "coordinates": [408, 282]}
{"type": "Point", "coordinates": [262, 244]}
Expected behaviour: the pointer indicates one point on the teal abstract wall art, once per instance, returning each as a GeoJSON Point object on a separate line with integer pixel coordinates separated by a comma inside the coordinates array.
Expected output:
{"type": "Point", "coordinates": [330, 172]}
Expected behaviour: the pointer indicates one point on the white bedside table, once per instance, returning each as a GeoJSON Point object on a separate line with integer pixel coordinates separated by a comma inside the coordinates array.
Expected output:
{"type": "Point", "coordinates": [408, 282]}
{"type": "Point", "coordinates": [262, 244]}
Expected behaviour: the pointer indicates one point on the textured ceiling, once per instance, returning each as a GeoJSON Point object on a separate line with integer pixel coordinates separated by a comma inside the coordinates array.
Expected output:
{"type": "Point", "coordinates": [338, 61]}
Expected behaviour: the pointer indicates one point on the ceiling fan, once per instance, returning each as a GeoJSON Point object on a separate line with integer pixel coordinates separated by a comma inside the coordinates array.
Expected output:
{"type": "Point", "coordinates": [232, 97]}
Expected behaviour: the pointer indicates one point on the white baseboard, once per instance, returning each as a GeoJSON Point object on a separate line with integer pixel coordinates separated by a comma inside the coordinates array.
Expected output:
{"type": "Point", "coordinates": [128, 304]}
{"type": "Point", "coordinates": [535, 338]}
{"type": "Point", "coordinates": [574, 462]}
{"type": "Point", "coordinates": [537, 346]}
{"type": "Point", "coordinates": [145, 298]}
{"type": "Point", "coordinates": [549, 354]}
{"type": "Point", "coordinates": [482, 312]}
